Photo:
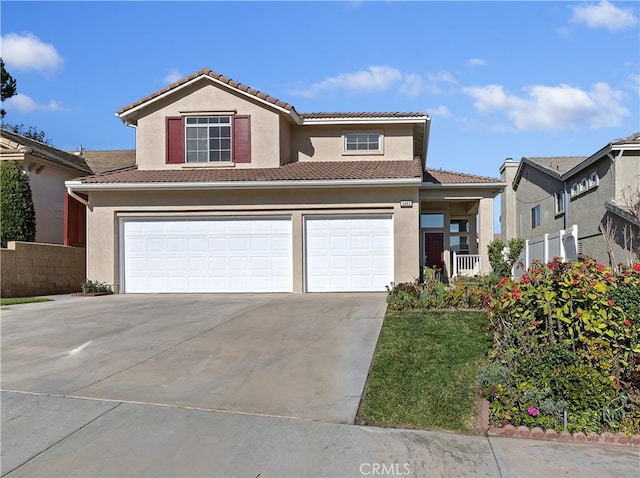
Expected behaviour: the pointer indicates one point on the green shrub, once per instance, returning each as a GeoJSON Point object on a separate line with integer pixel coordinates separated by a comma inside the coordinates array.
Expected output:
{"type": "Point", "coordinates": [96, 287]}
{"type": "Point", "coordinates": [568, 336]}
{"type": "Point", "coordinates": [17, 214]}
{"type": "Point", "coordinates": [502, 256]}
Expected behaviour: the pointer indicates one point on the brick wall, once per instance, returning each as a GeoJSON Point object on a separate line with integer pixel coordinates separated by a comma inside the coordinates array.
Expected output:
{"type": "Point", "coordinates": [31, 268]}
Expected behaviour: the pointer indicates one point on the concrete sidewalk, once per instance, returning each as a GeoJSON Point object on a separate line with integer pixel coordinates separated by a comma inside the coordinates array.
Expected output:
{"type": "Point", "coordinates": [57, 436]}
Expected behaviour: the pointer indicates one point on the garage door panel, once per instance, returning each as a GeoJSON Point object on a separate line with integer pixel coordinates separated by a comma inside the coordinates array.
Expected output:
{"type": "Point", "coordinates": [207, 255]}
{"type": "Point", "coordinates": [352, 253]}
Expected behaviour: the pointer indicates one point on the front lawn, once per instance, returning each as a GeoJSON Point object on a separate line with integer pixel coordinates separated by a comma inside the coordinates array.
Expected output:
{"type": "Point", "coordinates": [424, 370]}
{"type": "Point", "coordinates": [21, 300]}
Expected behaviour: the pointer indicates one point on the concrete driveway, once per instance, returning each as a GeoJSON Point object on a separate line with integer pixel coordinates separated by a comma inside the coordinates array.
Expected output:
{"type": "Point", "coordinates": [302, 356]}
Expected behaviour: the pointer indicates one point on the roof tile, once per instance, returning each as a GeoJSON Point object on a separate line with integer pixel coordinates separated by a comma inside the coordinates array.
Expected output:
{"type": "Point", "coordinates": [299, 171]}
{"type": "Point", "coordinates": [439, 176]}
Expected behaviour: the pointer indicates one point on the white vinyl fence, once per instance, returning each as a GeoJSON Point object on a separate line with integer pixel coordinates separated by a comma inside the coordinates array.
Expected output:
{"type": "Point", "coordinates": [563, 243]}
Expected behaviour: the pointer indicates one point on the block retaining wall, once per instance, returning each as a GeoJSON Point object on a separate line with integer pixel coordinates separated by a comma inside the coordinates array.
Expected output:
{"type": "Point", "coordinates": [32, 268]}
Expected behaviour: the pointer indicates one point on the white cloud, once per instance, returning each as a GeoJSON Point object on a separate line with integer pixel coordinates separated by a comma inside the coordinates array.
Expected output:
{"type": "Point", "coordinates": [173, 76]}
{"type": "Point", "coordinates": [374, 78]}
{"type": "Point", "coordinates": [441, 110]}
{"type": "Point", "coordinates": [547, 108]}
{"type": "Point", "coordinates": [25, 104]}
{"type": "Point", "coordinates": [383, 78]}
{"type": "Point", "coordinates": [27, 52]}
{"type": "Point", "coordinates": [476, 62]}
{"type": "Point", "coordinates": [604, 15]}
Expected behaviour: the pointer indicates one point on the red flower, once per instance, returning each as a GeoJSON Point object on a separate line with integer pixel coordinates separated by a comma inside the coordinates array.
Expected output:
{"type": "Point", "coordinates": [579, 314]}
{"type": "Point", "coordinates": [534, 323]}
{"type": "Point", "coordinates": [502, 281]}
{"type": "Point", "coordinates": [525, 279]}
{"type": "Point", "coordinates": [574, 282]}
{"type": "Point", "coordinates": [636, 267]}
{"type": "Point", "coordinates": [627, 323]}
{"type": "Point", "coordinates": [600, 267]}
{"type": "Point", "coordinates": [611, 303]}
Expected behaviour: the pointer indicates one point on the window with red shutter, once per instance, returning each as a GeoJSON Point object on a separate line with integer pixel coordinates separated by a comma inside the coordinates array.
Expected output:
{"type": "Point", "coordinates": [242, 139]}
{"type": "Point", "coordinates": [175, 140]}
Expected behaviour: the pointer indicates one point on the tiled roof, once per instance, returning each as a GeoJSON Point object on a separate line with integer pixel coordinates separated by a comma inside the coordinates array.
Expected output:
{"type": "Point", "coordinates": [439, 176]}
{"type": "Point", "coordinates": [556, 164]}
{"type": "Point", "coordinates": [217, 76]}
{"type": "Point", "coordinates": [267, 98]}
{"type": "Point", "coordinates": [361, 115]}
{"type": "Point", "coordinates": [110, 160]}
{"type": "Point", "coordinates": [299, 171]}
{"type": "Point", "coordinates": [49, 153]}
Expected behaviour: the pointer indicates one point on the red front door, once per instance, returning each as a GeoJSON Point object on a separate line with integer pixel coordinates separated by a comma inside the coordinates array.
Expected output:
{"type": "Point", "coordinates": [434, 249]}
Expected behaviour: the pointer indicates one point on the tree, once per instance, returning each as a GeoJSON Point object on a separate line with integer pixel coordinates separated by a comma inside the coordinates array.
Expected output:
{"type": "Point", "coordinates": [17, 213]}
{"type": "Point", "coordinates": [503, 256]}
{"type": "Point", "coordinates": [8, 88]}
{"type": "Point", "coordinates": [31, 132]}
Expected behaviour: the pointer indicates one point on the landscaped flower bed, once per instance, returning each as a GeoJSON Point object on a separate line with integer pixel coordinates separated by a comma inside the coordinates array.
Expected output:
{"type": "Point", "coordinates": [566, 349]}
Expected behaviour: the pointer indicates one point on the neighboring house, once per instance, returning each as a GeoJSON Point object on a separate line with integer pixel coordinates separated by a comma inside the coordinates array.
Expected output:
{"type": "Point", "coordinates": [48, 170]}
{"type": "Point", "coordinates": [235, 191]}
{"type": "Point", "coordinates": [108, 160]}
{"type": "Point", "coordinates": [548, 194]}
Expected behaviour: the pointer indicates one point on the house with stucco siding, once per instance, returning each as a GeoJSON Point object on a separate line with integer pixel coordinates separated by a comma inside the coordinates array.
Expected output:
{"type": "Point", "coordinates": [236, 191]}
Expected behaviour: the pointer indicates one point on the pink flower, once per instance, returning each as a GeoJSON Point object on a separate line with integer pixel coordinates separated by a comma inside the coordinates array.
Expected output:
{"type": "Point", "coordinates": [627, 323]}
{"type": "Point", "coordinates": [533, 411]}
{"type": "Point", "coordinates": [611, 303]}
{"type": "Point", "coordinates": [534, 323]}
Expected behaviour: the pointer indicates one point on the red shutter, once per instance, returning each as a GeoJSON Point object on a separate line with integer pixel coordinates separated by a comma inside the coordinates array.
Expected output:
{"type": "Point", "coordinates": [175, 140]}
{"type": "Point", "coordinates": [75, 218]}
{"type": "Point", "coordinates": [242, 139]}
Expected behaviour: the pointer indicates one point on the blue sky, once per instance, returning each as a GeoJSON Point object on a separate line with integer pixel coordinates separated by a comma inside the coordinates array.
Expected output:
{"type": "Point", "coordinates": [499, 79]}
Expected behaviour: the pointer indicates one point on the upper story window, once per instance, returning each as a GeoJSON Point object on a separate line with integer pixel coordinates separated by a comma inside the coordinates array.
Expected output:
{"type": "Point", "coordinates": [535, 216]}
{"type": "Point", "coordinates": [574, 189]}
{"type": "Point", "coordinates": [594, 179]}
{"type": "Point", "coordinates": [559, 202]}
{"type": "Point", "coordinates": [362, 142]}
{"type": "Point", "coordinates": [208, 139]}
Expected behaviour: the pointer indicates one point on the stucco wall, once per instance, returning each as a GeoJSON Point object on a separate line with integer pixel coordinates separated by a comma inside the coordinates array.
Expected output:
{"type": "Point", "coordinates": [30, 268]}
{"type": "Point", "coordinates": [204, 97]}
{"type": "Point", "coordinates": [535, 188]}
{"type": "Point", "coordinates": [103, 255]}
{"type": "Point", "coordinates": [325, 143]}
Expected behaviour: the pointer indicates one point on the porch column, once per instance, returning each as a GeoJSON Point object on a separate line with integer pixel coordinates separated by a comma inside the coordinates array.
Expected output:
{"type": "Point", "coordinates": [485, 216]}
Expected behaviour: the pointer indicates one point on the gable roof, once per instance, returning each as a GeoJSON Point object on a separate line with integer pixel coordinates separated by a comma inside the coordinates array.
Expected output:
{"type": "Point", "coordinates": [440, 176]}
{"type": "Point", "coordinates": [563, 167]}
{"type": "Point", "coordinates": [298, 173]}
{"type": "Point", "coordinates": [45, 152]}
{"type": "Point", "coordinates": [109, 160]}
{"type": "Point", "coordinates": [126, 113]}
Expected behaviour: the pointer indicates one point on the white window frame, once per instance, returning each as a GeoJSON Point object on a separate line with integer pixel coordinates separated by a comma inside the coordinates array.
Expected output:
{"type": "Point", "coordinates": [559, 199]}
{"type": "Point", "coordinates": [536, 213]}
{"type": "Point", "coordinates": [594, 179]}
{"type": "Point", "coordinates": [574, 189]}
{"type": "Point", "coordinates": [208, 125]}
{"type": "Point", "coordinates": [362, 133]}
{"type": "Point", "coordinates": [583, 186]}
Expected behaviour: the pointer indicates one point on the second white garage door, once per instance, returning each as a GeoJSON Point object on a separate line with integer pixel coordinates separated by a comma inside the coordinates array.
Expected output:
{"type": "Point", "coordinates": [348, 253]}
{"type": "Point", "coordinates": [207, 254]}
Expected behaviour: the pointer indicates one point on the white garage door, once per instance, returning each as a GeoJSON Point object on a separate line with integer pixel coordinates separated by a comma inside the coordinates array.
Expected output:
{"type": "Point", "coordinates": [349, 253]}
{"type": "Point", "coordinates": [207, 255]}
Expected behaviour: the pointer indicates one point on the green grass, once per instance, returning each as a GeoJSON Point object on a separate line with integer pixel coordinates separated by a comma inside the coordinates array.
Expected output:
{"type": "Point", "coordinates": [21, 300]}
{"type": "Point", "coordinates": [424, 371]}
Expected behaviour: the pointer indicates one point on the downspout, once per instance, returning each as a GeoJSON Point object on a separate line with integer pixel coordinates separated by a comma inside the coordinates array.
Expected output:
{"type": "Point", "coordinates": [79, 198]}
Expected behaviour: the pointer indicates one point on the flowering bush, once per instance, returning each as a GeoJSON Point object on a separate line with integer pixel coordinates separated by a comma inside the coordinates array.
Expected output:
{"type": "Point", "coordinates": [568, 334]}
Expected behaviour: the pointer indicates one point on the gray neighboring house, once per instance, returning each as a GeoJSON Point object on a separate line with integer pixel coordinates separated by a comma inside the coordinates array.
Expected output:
{"type": "Point", "coordinates": [547, 194]}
